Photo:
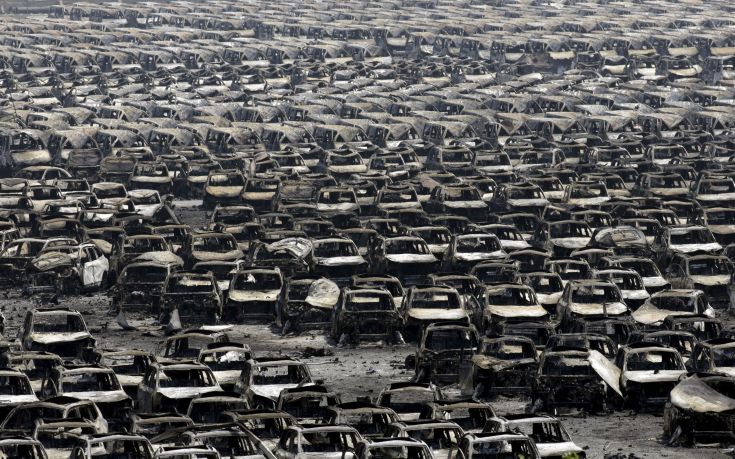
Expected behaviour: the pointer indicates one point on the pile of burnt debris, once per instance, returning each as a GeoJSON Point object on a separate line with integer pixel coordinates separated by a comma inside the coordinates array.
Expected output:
{"type": "Point", "coordinates": [542, 198]}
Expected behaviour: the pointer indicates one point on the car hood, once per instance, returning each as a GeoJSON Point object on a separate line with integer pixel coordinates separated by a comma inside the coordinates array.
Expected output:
{"type": "Point", "coordinates": [245, 295]}
{"type": "Point", "coordinates": [258, 194]}
{"type": "Point", "coordinates": [487, 362]}
{"type": "Point", "coordinates": [548, 298]}
{"type": "Point", "coordinates": [689, 248]}
{"type": "Point", "coordinates": [528, 202]}
{"type": "Point", "coordinates": [436, 314]}
{"type": "Point", "coordinates": [465, 204]}
{"type": "Point", "coordinates": [341, 261]}
{"type": "Point", "coordinates": [571, 242]}
{"type": "Point", "coordinates": [651, 376]}
{"type": "Point", "coordinates": [514, 245]}
{"type": "Point", "coordinates": [51, 338]}
{"type": "Point", "coordinates": [517, 311]}
{"type": "Point", "coordinates": [204, 255]}
{"type": "Point", "coordinates": [654, 281]}
{"type": "Point", "coordinates": [411, 258]}
{"type": "Point", "coordinates": [635, 294]}
{"type": "Point", "coordinates": [224, 191]}
{"type": "Point", "coordinates": [710, 281]}
{"type": "Point", "coordinates": [557, 449]}
{"type": "Point", "coordinates": [588, 309]}
{"type": "Point", "coordinates": [271, 391]}
{"type": "Point", "coordinates": [589, 201]}
{"type": "Point", "coordinates": [343, 206]}
{"type": "Point", "coordinates": [186, 392]}
{"type": "Point", "coordinates": [17, 399]}
{"type": "Point", "coordinates": [692, 394]}
{"type": "Point", "coordinates": [648, 314]}
{"type": "Point", "coordinates": [477, 256]}
{"type": "Point", "coordinates": [108, 396]}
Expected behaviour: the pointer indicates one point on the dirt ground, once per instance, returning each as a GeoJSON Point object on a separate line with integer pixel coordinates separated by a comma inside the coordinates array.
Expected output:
{"type": "Point", "coordinates": [360, 371]}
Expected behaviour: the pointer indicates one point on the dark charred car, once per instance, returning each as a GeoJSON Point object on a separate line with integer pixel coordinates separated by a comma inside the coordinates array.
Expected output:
{"type": "Point", "coordinates": [15, 390]}
{"type": "Point", "coordinates": [442, 353]}
{"type": "Point", "coordinates": [408, 258]}
{"type": "Point", "coordinates": [589, 300]}
{"type": "Point", "coordinates": [263, 379]}
{"type": "Point", "coordinates": [503, 365]}
{"type": "Point", "coordinates": [367, 418]}
{"type": "Point", "coordinates": [309, 403]}
{"type": "Point", "coordinates": [496, 445]}
{"type": "Point", "coordinates": [306, 303]}
{"type": "Point", "coordinates": [548, 434]}
{"type": "Point", "coordinates": [170, 386]}
{"type": "Point", "coordinates": [714, 356]}
{"type": "Point", "coordinates": [699, 409]}
{"type": "Point", "coordinates": [509, 303]}
{"type": "Point", "coordinates": [708, 273]}
{"type": "Point", "coordinates": [60, 331]}
{"type": "Point", "coordinates": [646, 373]}
{"type": "Point", "coordinates": [226, 360]}
{"type": "Point", "coordinates": [428, 304]}
{"type": "Point", "coordinates": [200, 247]}
{"type": "Point", "coordinates": [337, 258]}
{"type": "Point", "coordinates": [195, 296]}
{"type": "Point", "coordinates": [94, 383]}
{"type": "Point", "coordinates": [407, 398]}
{"type": "Point", "coordinates": [365, 314]}
{"type": "Point", "coordinates": [566, 379]}
{"type": "Point", "coordinates": [467, 250]}
{"type": "Point", "coordinates": [130, 365]}
{"type": "Point", "coordinates": [254, 294]}
{"type": "Point", "coordinates": [140, 287]}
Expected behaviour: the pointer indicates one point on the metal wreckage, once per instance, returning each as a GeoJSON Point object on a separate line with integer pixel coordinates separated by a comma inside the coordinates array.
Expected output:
{"type": "Point", "coordinates": [540, 200]}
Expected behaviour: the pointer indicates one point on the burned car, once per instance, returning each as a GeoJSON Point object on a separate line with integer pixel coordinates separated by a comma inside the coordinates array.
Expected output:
{"type": "Point", "coordinates": [194, 296]}
{"type": "Point", "coordinates": [643, 373]}
{"type": "Point", "coordinates": [548, 434]}
{"type": "Point", "coordinates": [15, 390]}
{"type": "Point", "coordinates": [672, 303]}
{"type": "Point", "coordinates": [94, 383]}
{"type": "Point", "coordinates": [60, 331]}
{"type": "Point", "coordinates": [503, 365]}
{"type": "Point", "coordinates": [428, 304]}
{"type": "Point", "coordinates": [226, 360]}
{"type": "Point", "coordinates": [442, 352]}
{"type": "Point", "coordinates": [406, 399]}
{"type": "Point", "coordinates": [254, 294]}
{"type": "Point", "coordinates": [714, 356]}
{"type": "Point", "coordinates": [566, 379]}
{"type": "Point", "coordinates": [140, 287]}
{"type": "Point", "coordinates": [262, 380]}
{"type": "Point", "coordinates": [408, 258]}
{"type": "Point", "coordinates": [509, 303]}
{"type": "Point", "coordinates": [306, 303]}
{"type": "Point", "coordinates": [363, 314]}
{"type": "Point", "coordinates": [699, 410]}
{"type": "Point", "coordinates": [171, 386]}
{"type": "Point", "coordinates": [589, 300]}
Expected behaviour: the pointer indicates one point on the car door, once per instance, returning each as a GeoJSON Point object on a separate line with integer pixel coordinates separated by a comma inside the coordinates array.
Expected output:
{"type": "Point", "coordinates": [676, 275]}
{"type": "Point", "coordinates": [145, 391]}
{"type": "Point", "coordinates": [94, 266]}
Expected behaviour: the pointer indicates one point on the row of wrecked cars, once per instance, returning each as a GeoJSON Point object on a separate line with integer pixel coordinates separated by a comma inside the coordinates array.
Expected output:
{"type": "Point", "coordinates": [542, 200]}
{"type": "Point", "coordinates": [201, 395]}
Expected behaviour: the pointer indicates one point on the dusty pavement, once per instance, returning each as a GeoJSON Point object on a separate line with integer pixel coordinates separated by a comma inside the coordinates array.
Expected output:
{"type": "Point", "coordinates": [364, 371]}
